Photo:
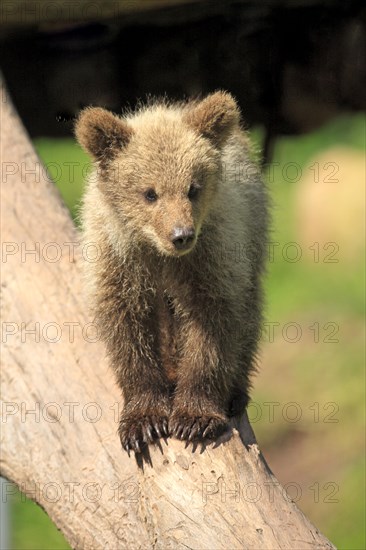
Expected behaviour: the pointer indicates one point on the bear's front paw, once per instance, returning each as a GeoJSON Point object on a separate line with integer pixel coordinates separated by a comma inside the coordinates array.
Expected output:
{"type": "Point", "coordinates": [137, 431]}
{"type": "Point", "coordinates": [192, 427]}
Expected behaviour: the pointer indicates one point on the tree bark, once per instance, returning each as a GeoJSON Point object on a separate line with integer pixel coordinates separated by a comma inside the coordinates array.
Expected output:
{"type": "Point", "coordinates": [60, 406]}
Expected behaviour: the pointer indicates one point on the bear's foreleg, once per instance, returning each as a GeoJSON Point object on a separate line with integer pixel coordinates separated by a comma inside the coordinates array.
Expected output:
{"type": "Point", "coordinates": [128, 329]}
{"type": "Point", "coordinates": [206, 376]}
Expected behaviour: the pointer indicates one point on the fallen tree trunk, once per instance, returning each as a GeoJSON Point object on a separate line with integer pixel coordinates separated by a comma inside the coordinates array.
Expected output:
{"type": "Point", "coordinates": [60, 406]}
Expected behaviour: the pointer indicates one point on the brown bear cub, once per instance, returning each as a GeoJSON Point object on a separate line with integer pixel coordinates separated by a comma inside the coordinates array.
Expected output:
{"type": "Point", "coordinates": [179, 214]}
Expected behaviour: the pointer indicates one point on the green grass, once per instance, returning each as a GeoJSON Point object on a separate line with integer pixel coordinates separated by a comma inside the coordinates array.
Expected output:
{"type": "Point", "coordinates": [293, 278]}
{"type": "Point", "coordinates": [32, 528]}
{"type": "Point", "coordinates": [67, 164]}
{"type": "Point", "coordinates": [309, 372]}
{"type": "Point", "coordinates": [349, 533]}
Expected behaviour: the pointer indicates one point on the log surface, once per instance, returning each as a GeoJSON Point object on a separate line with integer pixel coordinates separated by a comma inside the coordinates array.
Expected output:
{"type": "Point", "coordinates": [60, 406]}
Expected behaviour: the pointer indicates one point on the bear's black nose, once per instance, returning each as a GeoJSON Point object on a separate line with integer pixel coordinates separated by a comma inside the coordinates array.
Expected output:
{"type": "Point", "coordinates": [182, 237]}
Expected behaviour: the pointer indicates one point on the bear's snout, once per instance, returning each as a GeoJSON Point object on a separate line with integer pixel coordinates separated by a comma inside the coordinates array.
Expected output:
{"type": "Point", "coordinates": [183, 237]}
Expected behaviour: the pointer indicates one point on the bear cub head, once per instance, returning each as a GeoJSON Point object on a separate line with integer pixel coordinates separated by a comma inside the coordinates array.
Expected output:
{"type": "Point", "coordinates": [159, 168]}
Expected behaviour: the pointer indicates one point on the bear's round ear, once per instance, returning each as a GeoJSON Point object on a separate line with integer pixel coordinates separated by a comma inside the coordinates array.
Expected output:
{"type": "Point", "coordinates": [101, 133]}
{"type": "Point", "coordinates": [214, 117]}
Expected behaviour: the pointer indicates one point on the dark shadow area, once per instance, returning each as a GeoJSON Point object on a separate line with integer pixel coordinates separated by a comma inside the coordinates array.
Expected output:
{"type": "Point", "coordinates": [262, 53]}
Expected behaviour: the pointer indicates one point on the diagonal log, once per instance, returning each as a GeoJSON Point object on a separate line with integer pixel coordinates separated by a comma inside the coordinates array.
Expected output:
{"type": "Point", "coordinates": [60, 405]}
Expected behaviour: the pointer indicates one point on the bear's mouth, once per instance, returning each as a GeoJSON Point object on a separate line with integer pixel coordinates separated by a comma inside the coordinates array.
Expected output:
{"type": "Point", "coordinates": [187, 249]}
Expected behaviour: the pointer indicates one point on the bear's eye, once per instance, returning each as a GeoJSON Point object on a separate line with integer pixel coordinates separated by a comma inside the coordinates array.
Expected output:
{"type": "Point", "coordinates": [193, 191]}
{"type": "Point", "coordinates": [150, 195]}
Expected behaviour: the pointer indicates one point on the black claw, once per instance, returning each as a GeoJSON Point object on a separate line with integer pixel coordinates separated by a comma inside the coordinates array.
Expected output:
{"type": "Point", "coordinates": [185, 432]}
{"type": "Point", "coordinates": [165, 427]}
{"type": "Point", "coordinates": [127, 448]}
{"type": "Point", "coordinates": [136, 445]}
{"type": "Point", "coordinates": [157, 429]}
{"type": "Point", "coordinates": [194, 431]}
{"type": "Point", "coordinates": [207, 430]}
{"type": "Point", "coordinates": [149, 433]}
{"type": "Point", "coordinates": [178, 431]}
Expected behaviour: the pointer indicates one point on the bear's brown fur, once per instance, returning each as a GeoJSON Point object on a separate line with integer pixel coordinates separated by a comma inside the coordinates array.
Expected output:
{"type": "Point", "coordinates": [179, 213]}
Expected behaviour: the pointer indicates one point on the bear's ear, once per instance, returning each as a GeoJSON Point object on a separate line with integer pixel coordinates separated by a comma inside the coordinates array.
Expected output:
{"type": "Point", "coordinates": [101, 133]}
{"type": "Point", "coordinates": [214, 117]}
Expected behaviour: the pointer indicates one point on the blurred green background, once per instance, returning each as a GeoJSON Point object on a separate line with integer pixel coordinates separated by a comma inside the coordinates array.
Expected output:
{"type": "Point", "coordinates": [308, 400]}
